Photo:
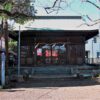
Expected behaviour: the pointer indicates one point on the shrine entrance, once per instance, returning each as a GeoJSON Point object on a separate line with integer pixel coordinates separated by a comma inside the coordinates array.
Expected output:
{"type": "Point", "coordinates": [53, 47]}
{"type": "Point", "coordinates": [43, 54]}
{"type": "Point", "coordinates": [51, 54]}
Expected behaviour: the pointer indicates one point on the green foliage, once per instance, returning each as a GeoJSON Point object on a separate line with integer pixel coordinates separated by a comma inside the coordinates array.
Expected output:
{"type": "Point", "coordinates": [97, 75]}
{"type": "Point", "coordinates": [7, 6]}
{"type": "Point", "coordinates": [22, 19]}
{"type": "Point", "coordinates": [3, 16]}
{"type": "Point", "coordinates": [12, 44]}
{"type": "Point", "coordinates": [0, 17]}
{"type": "Point", "coordinates": [21, 13]}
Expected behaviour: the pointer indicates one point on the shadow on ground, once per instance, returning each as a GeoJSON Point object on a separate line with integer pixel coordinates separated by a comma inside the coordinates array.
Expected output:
{"type": "Point", "coordinates": [11, 90]}
{"type": "Point", "coordinates": [62, 82]}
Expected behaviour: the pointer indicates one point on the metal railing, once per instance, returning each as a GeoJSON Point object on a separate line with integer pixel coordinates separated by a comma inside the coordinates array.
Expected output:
{"type": "Point", "coordinates": [92, 60]}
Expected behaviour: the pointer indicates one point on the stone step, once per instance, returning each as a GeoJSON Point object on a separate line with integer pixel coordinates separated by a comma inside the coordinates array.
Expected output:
{"type": "Point", "coordinates": [51, 76]}
{"type": "Point", "coordinates": [52, 71]}
{"type": "Point", "coordinates": [43, 70]}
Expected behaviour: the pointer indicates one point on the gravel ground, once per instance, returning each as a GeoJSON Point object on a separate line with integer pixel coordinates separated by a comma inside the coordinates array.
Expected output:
{"type": "Point", "coordinates": [53, 89]}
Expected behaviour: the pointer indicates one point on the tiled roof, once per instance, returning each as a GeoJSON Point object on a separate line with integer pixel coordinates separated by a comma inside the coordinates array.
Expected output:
{"type": "Point", "coordinates": [57, 24]}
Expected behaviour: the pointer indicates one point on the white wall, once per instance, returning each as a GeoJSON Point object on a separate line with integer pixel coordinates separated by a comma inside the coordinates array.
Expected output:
{"type": "Point", "coordinates": [92, 47]}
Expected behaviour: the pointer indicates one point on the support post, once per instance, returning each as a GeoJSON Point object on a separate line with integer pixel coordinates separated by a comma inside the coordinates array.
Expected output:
{"type": "Point", "coordinates": [3, 59]}
{"type": "Point", "coordinates": [51, 53]}
{"type": "Point", "coordinates": [67, 55]}
{"type": "Point", "coordinates": [35, 54]}
{"type": "Point", "coordinates": [92, 52]}
{"type": "Point", "coordinates": [19, 52]}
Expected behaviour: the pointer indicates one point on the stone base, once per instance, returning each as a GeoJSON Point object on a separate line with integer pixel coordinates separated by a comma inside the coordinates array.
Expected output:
{"type": "Point", "coordinates": [20, 78]}
{"type": "Point", "coordinates": [1, 87]}
{"type": "Point", "coordinates": [97, 79]}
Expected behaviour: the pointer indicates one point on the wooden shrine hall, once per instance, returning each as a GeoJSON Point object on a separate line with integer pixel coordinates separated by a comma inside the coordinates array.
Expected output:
{"type": "Point", "coordinates": [53, 42]}
{"type": "Point", "coordinates": [54, 47]}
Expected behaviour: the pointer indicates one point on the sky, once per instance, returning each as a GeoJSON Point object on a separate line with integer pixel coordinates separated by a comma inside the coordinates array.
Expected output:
{"type": "Point", "coordinates": [71, 7]}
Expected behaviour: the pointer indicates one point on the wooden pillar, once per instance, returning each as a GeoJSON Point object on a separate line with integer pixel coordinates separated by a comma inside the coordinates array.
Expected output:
{"type": "Point", "coordinates": [51, 52]}
{"type": "Point", "coordinates": [35, 55]}
{"type": "Point", "coordinates": [67, 55]}
{"type": "Point", "coordinates": [84, 49]}
{"type": "Point", "coordinates": [59, 56]}
{"type": "Point", "coordinates": [32, 47]}
{"type": "Point", "coordinates": [84, 52]}
{"type": "Point", "coordinates": [43, 56]}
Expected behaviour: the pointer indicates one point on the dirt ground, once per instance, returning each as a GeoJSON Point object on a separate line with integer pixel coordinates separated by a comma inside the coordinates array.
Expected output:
{"type": "Point", "coordinates": [53, 89]}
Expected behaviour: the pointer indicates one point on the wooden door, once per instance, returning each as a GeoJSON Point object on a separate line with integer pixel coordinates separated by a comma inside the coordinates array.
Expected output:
{"type": "Point", "coordinates": [75, 54]}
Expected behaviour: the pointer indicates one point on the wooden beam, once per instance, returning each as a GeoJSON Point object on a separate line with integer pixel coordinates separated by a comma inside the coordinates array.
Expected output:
{"type": "Point", "coordinates": [57, 17]}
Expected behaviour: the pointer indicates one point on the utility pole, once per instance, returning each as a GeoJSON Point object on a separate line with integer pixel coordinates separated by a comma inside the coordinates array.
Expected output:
{"type": "Point", "coordinates": [3, 58]}
{"type": "Point", "coordinates": [19, 51]}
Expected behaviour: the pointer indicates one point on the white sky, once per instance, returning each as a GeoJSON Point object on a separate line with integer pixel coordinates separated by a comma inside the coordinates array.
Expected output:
{"type": "Point", "coordinates": [71, 7]}
{"type": "Point", "coordinates": [75, 8]}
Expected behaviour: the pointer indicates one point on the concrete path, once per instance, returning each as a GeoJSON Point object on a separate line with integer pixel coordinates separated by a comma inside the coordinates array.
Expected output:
{"type": "Point", "coordinates": [60, 89]}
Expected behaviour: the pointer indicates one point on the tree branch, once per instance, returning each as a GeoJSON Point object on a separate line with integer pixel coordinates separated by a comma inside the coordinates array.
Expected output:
{"type": "Point", "coordinates": [94, 23]}
{"type": "Point", "coordinates": [55, 3]}
{"type": "Point", "coordinates": [93, 4]}
{"type": "Point", "coordinates": [54, 7]}
{"type": "Point", "coordinates": [13, 14]}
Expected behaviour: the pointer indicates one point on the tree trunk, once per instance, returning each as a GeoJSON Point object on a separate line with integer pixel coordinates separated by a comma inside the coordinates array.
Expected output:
{"type": "Point", "coordinates": [5, 34]}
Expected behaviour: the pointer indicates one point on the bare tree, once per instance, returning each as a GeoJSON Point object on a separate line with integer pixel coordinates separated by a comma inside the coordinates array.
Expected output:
{"type": "Point", "coordinates": [56, 7]}
{"type": "Point", "coordinates": [92, 3]}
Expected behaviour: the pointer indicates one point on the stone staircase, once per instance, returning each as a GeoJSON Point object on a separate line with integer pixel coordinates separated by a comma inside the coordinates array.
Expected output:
{"type": "Point", "coordinates": [54, 71]}
{"type": "Point", "coordinates": [46, 72]}
{"type": "Point", "coordinates": [51, 72]}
